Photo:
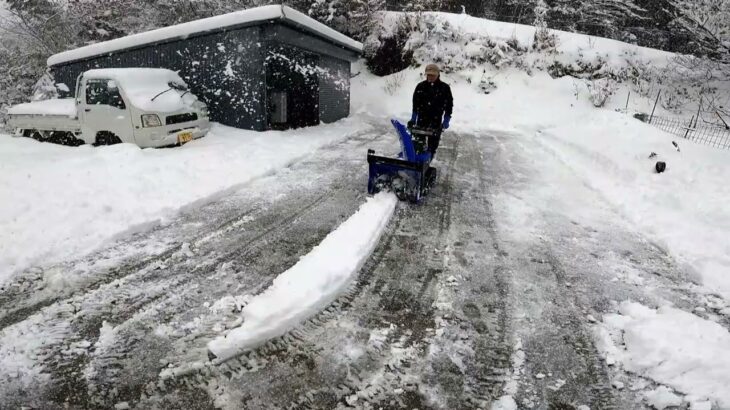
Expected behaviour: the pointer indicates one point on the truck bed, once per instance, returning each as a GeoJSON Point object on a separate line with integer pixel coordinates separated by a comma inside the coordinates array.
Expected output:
{"type": "Point", "coordinates": [51, 115]}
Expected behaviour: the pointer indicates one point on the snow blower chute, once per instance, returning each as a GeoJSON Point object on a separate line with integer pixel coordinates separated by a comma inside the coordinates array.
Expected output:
{"type": "Point", "coordinates": [410, 175]}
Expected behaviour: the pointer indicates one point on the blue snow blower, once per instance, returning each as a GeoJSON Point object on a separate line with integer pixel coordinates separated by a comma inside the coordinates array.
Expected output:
{"type": "Point", "coordinates": [410, 176]}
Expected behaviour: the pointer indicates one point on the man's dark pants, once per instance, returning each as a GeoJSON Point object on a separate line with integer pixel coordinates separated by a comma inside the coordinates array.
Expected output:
{"type": "Point", "coordinates": [435, 139]}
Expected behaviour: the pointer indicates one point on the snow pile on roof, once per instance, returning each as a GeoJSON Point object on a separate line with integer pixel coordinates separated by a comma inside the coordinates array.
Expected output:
{"type": "Point", "coordinates": [314, 282]}
{"type": "Point", "coordinates": [141, 85]}
{"type": "Point", "coordinates": [672, 347]}
{"type": "Point", "coordinates": [57, 106]}
{"type": "Point", "coordinates": [183, 30]}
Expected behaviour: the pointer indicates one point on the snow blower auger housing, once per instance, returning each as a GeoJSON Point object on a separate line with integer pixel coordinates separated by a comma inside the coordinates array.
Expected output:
{"type": "Point", "coordinates": [410, 175]}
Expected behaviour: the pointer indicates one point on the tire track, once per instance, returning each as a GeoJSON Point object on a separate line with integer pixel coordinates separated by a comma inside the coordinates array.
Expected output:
{"type": "Point", "coordinates": [122, 303]}
{"type": "Point", "coordinates": [562, 367]}
{"type": "Point", "coordinates": [473, 308]}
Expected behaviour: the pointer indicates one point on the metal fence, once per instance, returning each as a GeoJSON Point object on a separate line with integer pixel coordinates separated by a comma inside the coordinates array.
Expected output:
{"type": "Point", "coordinates": [711, 134]}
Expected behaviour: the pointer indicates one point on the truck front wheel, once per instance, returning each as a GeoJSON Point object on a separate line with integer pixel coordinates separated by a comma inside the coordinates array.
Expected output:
{"type": "Point", "coordinates": [106, 138]}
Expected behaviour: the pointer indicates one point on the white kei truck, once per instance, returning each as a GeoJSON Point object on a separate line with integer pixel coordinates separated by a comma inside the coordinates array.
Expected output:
{"type": "Point", "coordinates": [150, 107]}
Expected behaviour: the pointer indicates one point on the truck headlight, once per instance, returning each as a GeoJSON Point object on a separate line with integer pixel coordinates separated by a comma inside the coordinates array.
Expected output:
{"type": "Point", "coordinates": [151, 120]}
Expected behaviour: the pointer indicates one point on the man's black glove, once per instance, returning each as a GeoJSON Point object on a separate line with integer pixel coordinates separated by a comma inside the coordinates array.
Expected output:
{"type": "Point", "coordinates": [412, 122]}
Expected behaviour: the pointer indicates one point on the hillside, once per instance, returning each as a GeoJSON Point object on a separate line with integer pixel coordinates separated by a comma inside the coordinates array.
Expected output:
{"type": "Point", "coordinates": [675, 26]}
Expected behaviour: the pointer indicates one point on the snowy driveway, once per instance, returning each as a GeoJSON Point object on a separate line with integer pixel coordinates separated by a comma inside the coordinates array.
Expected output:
{"type": "Point", "coordinates": [489, 291]}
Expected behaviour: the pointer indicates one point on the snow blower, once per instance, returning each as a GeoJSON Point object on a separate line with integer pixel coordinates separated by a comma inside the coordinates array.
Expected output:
{"type": "Point", "coordinates": [410, 176]}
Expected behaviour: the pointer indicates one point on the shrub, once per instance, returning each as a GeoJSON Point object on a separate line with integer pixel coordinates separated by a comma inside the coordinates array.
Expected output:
{"type": "Point", "coordinates": [600, 90]}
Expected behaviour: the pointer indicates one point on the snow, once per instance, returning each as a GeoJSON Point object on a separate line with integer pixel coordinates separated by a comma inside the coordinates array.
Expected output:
{"type": "Point", "coordinates": [700, 405]}
{"type": "Point", "coordinates": [672, 347]}
{"type": "Point", "coordinates": [662, 397]}
{"type": "Point", "coordinates": [179, 31]}
{"type": "Point", "coordinates": [308, 22]}
{"type": "Point", "coordinates": [571, 47]}
{"type": "Point", "coordinates": [58, 106]}
{"type": "Point", "coordinates": [68, 201]}
{"type": "Point", "coordinates": [314, 282]}
{"type": "Point", "coordinates": [22, 348]}
{"type": "Point", "coordinates": [505, 403]}
{"type": "Point", "coordinates": [612, 152]}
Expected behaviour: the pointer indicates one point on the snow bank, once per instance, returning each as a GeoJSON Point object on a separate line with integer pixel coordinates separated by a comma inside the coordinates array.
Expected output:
{"type": "Point", "coordinates": [684, 209]}
{"type": "Point", "coordinates": [315, 281]}
{"type": "Point", "coordinates": [203, 25]}
{"type": "Point", "coordinates": [65, 202]}
{"type": "Point", "coordinates": [57, 106]}
{"type": "Point", "coordinates": [460, 37]}
{"type": "Point", "coordinates": [575, 46]}
{"type": "Point", "coordinates": [674, 348]}
{"type": "Point", "coordinates": [662, 397]}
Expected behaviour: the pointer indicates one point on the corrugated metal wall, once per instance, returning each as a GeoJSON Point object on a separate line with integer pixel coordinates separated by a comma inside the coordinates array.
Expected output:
{"type": "Point", "coordinates": [334, 89]}
{"type": "Point", "coordinates": [227, 70]}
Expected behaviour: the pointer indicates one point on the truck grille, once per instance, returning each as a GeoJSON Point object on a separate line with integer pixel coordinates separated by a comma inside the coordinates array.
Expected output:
{"type": "Point", "coordinates": [178, 118]}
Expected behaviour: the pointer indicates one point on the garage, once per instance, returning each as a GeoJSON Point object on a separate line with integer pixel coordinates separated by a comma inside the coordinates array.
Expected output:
{"type": "Point", "coordinates": [270, 67]}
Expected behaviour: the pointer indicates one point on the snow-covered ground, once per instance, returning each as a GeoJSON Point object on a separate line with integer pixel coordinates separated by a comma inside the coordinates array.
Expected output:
{"type": "Point", "coordinates": [672, 347]}
{"type": "Point", "coordinates": [66, 202]}
{"type": "Point", "coordinates": [683, 210]}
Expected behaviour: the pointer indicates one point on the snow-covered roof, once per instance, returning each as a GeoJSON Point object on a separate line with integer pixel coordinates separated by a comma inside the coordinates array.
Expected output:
{"type": "Point", "coordinates": [183, 30]}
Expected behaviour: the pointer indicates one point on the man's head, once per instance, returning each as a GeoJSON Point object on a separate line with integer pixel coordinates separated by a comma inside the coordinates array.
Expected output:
{"type": "Point", "coordinates": [432, 72]}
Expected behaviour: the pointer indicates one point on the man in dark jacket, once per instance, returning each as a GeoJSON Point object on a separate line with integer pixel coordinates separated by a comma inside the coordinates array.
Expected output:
{"type": "Point", "coordinates": [432, 105]}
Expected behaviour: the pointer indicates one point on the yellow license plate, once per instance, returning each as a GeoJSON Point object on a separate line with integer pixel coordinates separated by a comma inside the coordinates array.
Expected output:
{"type": "Point", "coordinates": [184, 137]}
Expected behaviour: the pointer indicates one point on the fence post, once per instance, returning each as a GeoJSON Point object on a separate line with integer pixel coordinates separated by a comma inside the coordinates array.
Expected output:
{"type": "Point", "coordinates": [698, 112]}
{"type": "Point", "coordinates": [655, 103]}
{"type": "Point", "coordinates": [727, 127]}
{"type": "Point", "coordinates": [690, 126]}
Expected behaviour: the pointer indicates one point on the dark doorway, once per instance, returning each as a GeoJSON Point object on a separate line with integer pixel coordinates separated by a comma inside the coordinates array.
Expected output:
{"type": "Point", "coordinates": [292, 88]}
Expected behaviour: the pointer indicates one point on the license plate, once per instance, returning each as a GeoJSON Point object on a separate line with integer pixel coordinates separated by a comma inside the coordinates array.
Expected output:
{"type": "Point", "coordinates": [184, 137]}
